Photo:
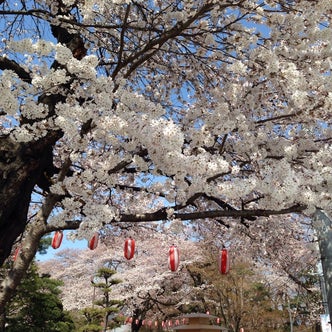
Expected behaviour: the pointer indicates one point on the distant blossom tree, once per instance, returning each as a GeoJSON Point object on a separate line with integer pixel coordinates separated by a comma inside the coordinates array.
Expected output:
{"type": "Point", "coordinates": [147, 284]}
{"type": "Point", "coordinates": [151, 292]}
{"type": "Point", "coordinates": [114, 113]}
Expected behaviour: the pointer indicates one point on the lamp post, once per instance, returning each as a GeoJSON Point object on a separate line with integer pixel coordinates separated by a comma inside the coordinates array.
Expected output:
{"type": "Point", "coordinates": [291, 320]}
{"type": "Point", "coordinates": [322, 224]}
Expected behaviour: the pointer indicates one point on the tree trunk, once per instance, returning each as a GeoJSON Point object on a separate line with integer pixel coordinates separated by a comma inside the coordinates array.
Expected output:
{"type": "Point", "coordinates": [22, 167]}
{"type": "Point", "coordinates": [27, 252]}
{"type": "Point", "coordinates": [25, 165]}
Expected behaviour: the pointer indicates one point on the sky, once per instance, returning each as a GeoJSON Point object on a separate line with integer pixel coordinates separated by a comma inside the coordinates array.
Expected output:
{"type": "Point", "coordinates": [66, 244]}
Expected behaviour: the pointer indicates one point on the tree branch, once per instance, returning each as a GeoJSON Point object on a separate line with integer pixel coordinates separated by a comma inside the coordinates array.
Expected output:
{"type": "Point", "coordinates": [154, 44]}
{"type": "Point", "coordinates": [31, 12]}
{"type": "Point", "coordinates": [162, 214]}
{"type": "Point", "coordinates": [8, 64]}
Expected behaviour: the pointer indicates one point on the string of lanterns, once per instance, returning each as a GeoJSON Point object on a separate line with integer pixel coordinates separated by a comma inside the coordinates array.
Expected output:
{"type": "Point", "coordinates": [171, 322]}
{"type": "Point", "coordinates": [129, 252]}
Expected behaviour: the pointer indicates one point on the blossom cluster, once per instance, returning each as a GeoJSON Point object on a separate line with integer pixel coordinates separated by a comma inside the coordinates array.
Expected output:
{"type": "Point", "coordinates": [249, 119]}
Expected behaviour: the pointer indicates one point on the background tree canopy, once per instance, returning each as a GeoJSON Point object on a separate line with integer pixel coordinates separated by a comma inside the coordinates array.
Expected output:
{"type": "Point", "coordinates": [114, 113]}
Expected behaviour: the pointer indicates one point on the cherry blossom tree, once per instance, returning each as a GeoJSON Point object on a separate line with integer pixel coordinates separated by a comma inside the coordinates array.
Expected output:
{"type": "Point", "coordinates": [150, 291]}
{"type": "Point", "coordinates": [147, 283]}
{"type": "Point", "coordinates": [116, 113]}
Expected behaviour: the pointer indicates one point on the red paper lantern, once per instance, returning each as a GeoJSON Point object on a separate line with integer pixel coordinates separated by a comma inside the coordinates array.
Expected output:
{"type": "Point", "coordinates": [57, 239]}
{"type": "Point", "coordinates": [173, 258]}
{"type": "Point", "coordinates": [16, 252]}
{"type": "Point", "coordinates": [92, 244]}
{"type": "Point", "coordinates": [129, 248]}
{"type": "Point", "coordinates": [223, 262]}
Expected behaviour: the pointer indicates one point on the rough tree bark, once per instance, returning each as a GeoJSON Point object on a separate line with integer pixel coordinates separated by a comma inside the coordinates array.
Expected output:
{"type": "Point", "coordinates": [24, 166]}
{"type": "Point", "coordinates": [26, 254]}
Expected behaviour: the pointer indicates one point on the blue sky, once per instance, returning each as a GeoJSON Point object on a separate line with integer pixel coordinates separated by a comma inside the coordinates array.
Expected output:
{"type": "Point", "coordinates": [66, 244]}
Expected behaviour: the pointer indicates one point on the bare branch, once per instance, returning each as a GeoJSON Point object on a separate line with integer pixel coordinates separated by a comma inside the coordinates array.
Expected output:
{"type": "Point", "coordinates": [7, 64]}
{"type": "Point", "coordinates": [162, 214]}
